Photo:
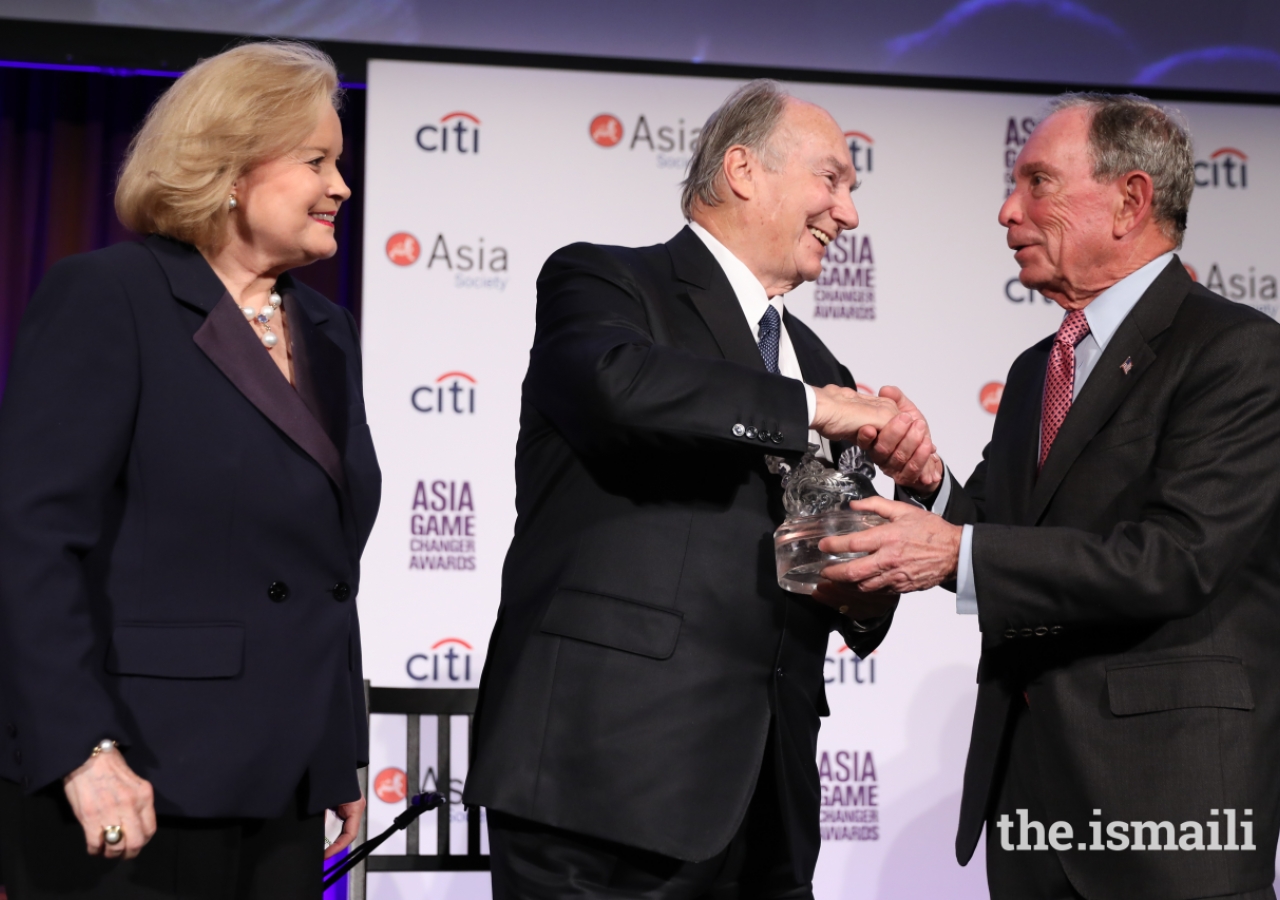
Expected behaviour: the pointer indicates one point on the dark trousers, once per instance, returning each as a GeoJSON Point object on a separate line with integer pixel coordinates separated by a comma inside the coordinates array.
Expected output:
{"type": "Point", "coordinates": [1032, 874]}
{"type": "Point", "coordinates": [192, 859]}
{"type": "Point", "coordinates": [531, 861]}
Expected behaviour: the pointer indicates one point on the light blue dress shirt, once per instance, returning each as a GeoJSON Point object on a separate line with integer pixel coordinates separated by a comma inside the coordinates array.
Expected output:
{"type": "Point", "coordinates": [1104, 314]}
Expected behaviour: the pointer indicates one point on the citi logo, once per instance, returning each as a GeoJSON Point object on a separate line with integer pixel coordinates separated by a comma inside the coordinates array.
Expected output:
{"type": "Point", "coordinates": [860, 148]}
{"type": "Point", "coordinates": [1226, 167]}
{"type": "Point", "coordinates": [458, 132]}
{"type": "Point", "coordinates": [453, 393]}
{"type": "Point", "coordinates": [842, 669]}
{"type": "Point", "coordinates": [449, 660]}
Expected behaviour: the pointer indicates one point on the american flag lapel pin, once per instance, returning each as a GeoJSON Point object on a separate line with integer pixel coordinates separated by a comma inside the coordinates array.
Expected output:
{"type": "Point", "coordinates": [1127, 365]}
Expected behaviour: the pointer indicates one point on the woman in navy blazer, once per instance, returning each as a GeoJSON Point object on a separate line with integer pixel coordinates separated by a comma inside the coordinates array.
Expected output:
{"type": "Point", "coordinates": [186, 485]}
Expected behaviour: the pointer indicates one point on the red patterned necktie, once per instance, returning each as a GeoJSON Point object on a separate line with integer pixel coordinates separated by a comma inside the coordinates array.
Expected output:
{"type": "Point", "coordinates": [1060, 380]}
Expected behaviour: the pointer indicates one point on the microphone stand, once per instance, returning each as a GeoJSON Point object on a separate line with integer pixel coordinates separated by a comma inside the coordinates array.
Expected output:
{"type": "Point", "coordinates": [419, 804]}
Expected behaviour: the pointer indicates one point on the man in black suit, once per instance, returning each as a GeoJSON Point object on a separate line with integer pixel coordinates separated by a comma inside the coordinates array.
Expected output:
{"type": "Point", "coordinates": [651, 699]}
{"type": "Point", "coordinates": [1118, 544]}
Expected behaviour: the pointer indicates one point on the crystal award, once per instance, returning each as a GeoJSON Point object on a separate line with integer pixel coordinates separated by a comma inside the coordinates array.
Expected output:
{"type": "Point", "coordinates": [816, 498]}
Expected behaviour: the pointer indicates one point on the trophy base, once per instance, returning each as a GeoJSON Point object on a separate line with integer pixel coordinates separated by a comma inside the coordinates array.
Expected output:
{"type": "Point", "coordinates": [795, 546]}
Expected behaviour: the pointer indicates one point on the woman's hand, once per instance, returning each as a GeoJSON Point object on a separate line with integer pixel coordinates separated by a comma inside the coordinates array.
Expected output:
{"type": "Point", "coordinates": [350, 814]}
{"type": "Point", "coordinates": [104, 792]}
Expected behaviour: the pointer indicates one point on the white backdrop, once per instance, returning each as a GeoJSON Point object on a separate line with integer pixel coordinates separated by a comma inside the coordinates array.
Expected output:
{"type": "Point", "coordinates": [476, 174]}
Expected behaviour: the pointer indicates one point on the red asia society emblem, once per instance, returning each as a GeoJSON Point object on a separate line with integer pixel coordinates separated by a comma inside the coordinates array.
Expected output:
{"type": "Point", "coordinates": [606, 130]}
{"type": "Point", "coordinates": [990, 396]}
{"type": "Point", "coordinates": [391, 786]}
{"type": "Point", "coordinates": [403, 248]}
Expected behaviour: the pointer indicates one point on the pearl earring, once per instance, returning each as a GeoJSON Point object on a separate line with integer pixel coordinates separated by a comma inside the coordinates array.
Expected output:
{"type": "Point", "coordinates": [231, 202]}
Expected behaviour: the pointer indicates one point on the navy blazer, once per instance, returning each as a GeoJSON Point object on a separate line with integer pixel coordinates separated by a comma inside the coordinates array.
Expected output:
{"type": "Point", "coordinates": [180, 538]}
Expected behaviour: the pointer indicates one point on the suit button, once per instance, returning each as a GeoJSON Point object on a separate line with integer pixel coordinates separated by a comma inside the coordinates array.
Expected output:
{"type": "Point", "coordinates": [1011, 633]}
{"type": "Point", "coordinates": [776, 437]}
{"type": "Point", "coordinates": [751, 432]}
{"type": "Point", "coordinates": [1042, 631]}
{"type": "Point", "coordinates": [739, 430]}
{"type": "Point", "coordinates": [1025, 632]}
{"type": "Point", "coordinates": [278, 591]}
{"type": "Point", "coordinates": [764, 437]}
{"type": "Point", "coordinates": [341, 592]}
{"type": "Point", "coordinates": [1056, 629]}
{"type": "Point", "coordinates": [780, 673]}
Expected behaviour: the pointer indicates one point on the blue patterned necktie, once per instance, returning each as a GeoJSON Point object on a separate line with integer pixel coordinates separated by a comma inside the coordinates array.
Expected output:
{"type": "Point", "coordinates": [770, 332]}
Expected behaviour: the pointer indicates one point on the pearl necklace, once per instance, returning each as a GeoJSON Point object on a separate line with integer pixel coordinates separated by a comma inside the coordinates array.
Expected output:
{"type": "Point", "coordinates": [263, 317]}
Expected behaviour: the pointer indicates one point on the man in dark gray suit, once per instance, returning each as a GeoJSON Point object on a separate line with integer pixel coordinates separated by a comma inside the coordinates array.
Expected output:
{"type": "Point", "coordinates": [650, 704]}
{"type": "Point", "coordinates": [1118, 543]}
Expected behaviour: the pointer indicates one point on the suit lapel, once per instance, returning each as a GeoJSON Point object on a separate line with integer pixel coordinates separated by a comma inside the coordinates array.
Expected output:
{"type": "Point", "coordinates": [1026, 411]}
{"type": "Point", "coordinates": [319, 366]}
{"type": "Point", "coordinates": [1109, 384]}
{"type": "Point", "coordinates": [713, 297]}
{"type": "Point", "coordinates": [231, 344]}
{"type": "Point", "coordinates": [817, 365]}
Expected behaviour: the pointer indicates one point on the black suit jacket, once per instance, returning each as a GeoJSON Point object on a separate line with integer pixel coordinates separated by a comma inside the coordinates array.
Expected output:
{"type": "Point", "coordinates": [643, 647]}
{"type": "Point", "coordinates": [1133, 590]}
{"type": "Point", "coordinates": [158, 475]}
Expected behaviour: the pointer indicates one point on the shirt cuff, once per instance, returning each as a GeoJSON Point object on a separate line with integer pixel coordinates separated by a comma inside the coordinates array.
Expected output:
{"type": "Point", "coordinates": [938, 502]}
{"type": "Point", "coordinates": [966, 591]}
{"type": "Point", "coordinates": [811, 397]}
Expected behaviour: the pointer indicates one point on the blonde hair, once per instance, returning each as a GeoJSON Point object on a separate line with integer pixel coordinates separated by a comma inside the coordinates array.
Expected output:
{"type": "Point", "coordinates": [226, 115]}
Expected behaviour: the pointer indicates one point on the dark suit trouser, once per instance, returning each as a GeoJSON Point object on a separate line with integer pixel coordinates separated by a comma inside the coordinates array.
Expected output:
{"type": "Point", "coordinates": [531, 861]}
{"type": "Point", "coordinates": [192, 859]}
{"type": "Point", "coordinates": [1033, 874]}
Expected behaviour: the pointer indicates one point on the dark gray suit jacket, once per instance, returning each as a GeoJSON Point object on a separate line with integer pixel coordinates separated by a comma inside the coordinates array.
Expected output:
{"type": "Point", "coordinates": [643, 647]}
{"type": "Point", "coordinates": [1132, 589]}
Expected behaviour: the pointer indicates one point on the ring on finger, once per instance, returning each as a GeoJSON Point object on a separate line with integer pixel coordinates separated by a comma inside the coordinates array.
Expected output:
{"type": "Point", "coordinates": [112, 834]}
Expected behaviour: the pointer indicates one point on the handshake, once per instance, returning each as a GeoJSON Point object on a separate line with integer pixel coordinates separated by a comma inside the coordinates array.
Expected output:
{"type": "Point", "coordinates": [916, 549]}
{"type": "Point", "coordinates": [889, 429]}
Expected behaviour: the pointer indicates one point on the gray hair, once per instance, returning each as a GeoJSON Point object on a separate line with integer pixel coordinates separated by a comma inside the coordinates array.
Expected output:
{"type": "Point", "coordinates": [748, 118]}
{"type": "Point", "coordinates": [1128, 132]}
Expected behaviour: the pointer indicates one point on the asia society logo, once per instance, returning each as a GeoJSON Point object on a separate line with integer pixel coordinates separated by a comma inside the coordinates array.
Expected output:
{"type": "Point", "coordinates": [990, 396]}
{"type": "Point", "coordinates": [846, 668]}
{"type": "Point", "coordinates": [442, 527]}
{"type": "Point", "coordinates": [850, 796]}
{"type": "Point", "coordinates": [1250, 287]}
{"type": "Point", "coordinates": [671, 144]}
{"type": "Point", "coordinates": [1016, 132]}
{"type": "Point", "coordinates": [846, 289]}
{"type": "Point", "coordinates": [391, 785]}
{"type": "Point", "coordinates": [860, 148]}
{"type": "Point", "coordinates": [473, 264]}
{"type": "Point", "coordinates": [457, 132]}
{"type": "Point", "coordinates": [1226, 167]}
{"type": "Point", "coordinates": [453, 393]}
{"type": "Point", "coordinates": [448, 661]}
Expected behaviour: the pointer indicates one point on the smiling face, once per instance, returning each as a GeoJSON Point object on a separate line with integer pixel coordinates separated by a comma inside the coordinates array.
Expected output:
{"type": "Point", "coordinates": [804, 205]}
{"type": "Point", "coordinates": [286, 207]}
{"type": "Point", "coordinates": [1060, 221]}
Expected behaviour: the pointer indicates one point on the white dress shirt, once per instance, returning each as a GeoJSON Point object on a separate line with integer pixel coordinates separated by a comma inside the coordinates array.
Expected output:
{"type": "Point", "coordinates": [754, 300]}
{"type": "Point", "coordinates": [1104, 315]}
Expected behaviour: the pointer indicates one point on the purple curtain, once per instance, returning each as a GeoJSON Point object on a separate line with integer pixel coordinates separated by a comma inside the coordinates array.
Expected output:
{"type": "Point", "coordinates": [63, 135]}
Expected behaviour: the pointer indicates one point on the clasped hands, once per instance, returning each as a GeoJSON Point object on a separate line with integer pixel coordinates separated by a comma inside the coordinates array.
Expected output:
{"type": "Point", "coordinates": [916, 549]}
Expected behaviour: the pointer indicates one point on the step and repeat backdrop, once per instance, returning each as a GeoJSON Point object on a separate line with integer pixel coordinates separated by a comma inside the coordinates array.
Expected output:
{"type": "Point", "coordinates": [476, 174]}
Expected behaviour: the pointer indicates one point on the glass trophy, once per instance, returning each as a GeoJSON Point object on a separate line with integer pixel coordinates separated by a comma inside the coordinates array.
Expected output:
{"type": "Point", "coordinates": [816, 497]}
